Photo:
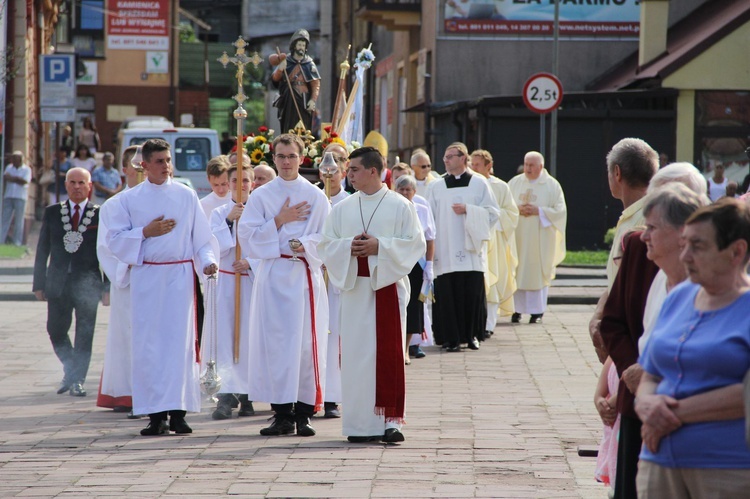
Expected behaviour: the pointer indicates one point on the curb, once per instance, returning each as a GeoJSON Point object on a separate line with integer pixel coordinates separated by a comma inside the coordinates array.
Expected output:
{"type": "Point", "coordinates": [17, 270]}
{"type": "Point", "coordinates": [10, 296]}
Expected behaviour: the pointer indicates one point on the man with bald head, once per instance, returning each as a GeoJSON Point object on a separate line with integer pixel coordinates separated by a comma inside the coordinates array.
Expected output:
{"type": "Point", "coordinates": [540, 235]}
{"type": "Point", "coordinates": [422, 167]}
{"type": "Point", "coordinates": [67, 277]}
{"type": "Point", "coordinates": [262, 175]}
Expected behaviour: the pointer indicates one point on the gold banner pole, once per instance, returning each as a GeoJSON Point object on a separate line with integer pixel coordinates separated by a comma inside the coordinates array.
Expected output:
{"type": "Point", "coordinates": [240, 60]}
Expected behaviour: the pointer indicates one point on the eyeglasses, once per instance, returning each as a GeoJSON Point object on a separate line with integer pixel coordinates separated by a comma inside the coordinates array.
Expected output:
{"type": "Point", "coordinates": [424, 166]}
{"type": "Point", "coordinates": [340, 159]}
{"type": "Point", "coordinates": [451, 156]}
{"type": "Point", "coordinates": [284, 157]}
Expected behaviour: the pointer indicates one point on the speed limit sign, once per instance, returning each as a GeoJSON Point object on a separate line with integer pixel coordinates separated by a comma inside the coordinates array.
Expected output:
{"type": "Point", "coordinates": [542, 93]}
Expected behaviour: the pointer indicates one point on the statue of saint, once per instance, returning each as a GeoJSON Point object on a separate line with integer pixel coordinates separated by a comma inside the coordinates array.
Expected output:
{"type": "Point", "coordinates": [299, 92]}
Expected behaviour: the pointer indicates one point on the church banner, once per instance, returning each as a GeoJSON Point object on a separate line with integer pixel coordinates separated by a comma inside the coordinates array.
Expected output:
{"type": "Point", "coordinates": [578, 18]}
{"type": "Point", "coordinates": [138, 24]}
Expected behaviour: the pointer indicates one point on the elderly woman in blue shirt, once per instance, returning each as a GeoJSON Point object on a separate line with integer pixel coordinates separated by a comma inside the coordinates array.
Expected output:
{"type": "Point", "coordinates": [690, 396]}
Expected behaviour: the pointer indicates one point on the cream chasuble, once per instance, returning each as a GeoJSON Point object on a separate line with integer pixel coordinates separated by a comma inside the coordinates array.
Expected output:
{"type": "Point", "coordinates": [401, 244]}
{"type": "Point", "coordinates": [540, 241]}
{"type": "Point", "coordinates": [162, 284]}
{"type": "Point", "coordinates": [501, 254]}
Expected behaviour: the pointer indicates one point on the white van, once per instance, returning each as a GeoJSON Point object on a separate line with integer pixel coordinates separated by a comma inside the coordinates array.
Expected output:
{"type": "Point", "coordinates": [191, 150]}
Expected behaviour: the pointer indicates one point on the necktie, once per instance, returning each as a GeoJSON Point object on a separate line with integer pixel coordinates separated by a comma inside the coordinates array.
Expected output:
{"type": "Point", "coordinates": [76, 218]}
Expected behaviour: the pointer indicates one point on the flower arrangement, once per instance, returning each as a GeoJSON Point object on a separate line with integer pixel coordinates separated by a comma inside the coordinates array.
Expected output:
{"type": "Point", "coordinates": [258, 146]}
{"type": "Point", "coordinates": [313, 153]}
{"type": "Point", "coordinates": [364, 58]}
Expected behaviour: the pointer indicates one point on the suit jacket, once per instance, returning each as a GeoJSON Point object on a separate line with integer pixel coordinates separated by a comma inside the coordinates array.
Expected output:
{"type": "Point", "coordinates": [622, 320]}
{"type": "Point", "coordinates": [81, 266]}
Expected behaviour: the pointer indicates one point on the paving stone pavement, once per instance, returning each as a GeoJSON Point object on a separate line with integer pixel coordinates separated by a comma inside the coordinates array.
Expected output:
{"type": "Point", "coordinates": [504, 421]}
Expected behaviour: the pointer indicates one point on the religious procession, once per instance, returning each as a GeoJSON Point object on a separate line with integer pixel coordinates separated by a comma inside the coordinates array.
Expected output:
{"type": "Point", "coordinates": [306, 294]}
{"type": "Point", "coordinates": [316, 273]}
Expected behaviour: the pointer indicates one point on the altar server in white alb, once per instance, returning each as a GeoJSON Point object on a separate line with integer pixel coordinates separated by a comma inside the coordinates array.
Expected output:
{"type": "Point", "coordinates": [281, 226]}
{"type": "Point", "coordinates": [332, 393]}
{"type": "Point", "coordinates": [234, 376]}
{"type": "Point", "coordinates": [115, 388]}
{"type": "Point", "coordinates": [158, 228]}
{"type": "Point", "coordinates": [465, 214]}
{"type": "Point", "coordinates": [540, 235]}
{"type": "Point", "coordinates": [371, 242]}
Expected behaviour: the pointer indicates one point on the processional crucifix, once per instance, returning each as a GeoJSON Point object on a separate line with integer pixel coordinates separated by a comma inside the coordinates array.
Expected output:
{"type": "Point", "coordinates": [240, 60]}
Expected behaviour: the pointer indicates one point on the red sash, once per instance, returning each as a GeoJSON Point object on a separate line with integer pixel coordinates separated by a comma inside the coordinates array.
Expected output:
{"type": "Point", "coordinates": [390, 383]}
{"type": "Point", "coordinates": [232, 273]}
{"type": "Point", "coordinates": [195, 303]}
{"type": "Point", "coordinates": [318, 390]}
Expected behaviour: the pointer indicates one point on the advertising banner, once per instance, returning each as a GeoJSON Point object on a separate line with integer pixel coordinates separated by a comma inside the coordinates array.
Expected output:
{"type": "Point", "coordinates": [138, 24]}
{"type": "Point", "coordinates": [578, 18]}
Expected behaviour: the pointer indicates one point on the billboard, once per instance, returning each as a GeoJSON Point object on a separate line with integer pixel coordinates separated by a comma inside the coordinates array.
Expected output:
{"type": "Point", "coordinates": [578, 18]}
{"type": "Point", "coordinates": [138, 24]}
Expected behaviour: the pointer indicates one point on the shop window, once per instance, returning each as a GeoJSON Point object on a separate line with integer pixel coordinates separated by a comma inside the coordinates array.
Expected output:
{"type": "Point", "coordinates": [722, 132]}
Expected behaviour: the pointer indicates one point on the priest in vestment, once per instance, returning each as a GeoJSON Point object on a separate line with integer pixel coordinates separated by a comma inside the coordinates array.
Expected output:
{"type": "Point", "coordinates": [371, 241]}
{"type": "Point", "coordinates": [465, 214]}
{"type": "Point", "coordinates": [158, 228]}
{"type": "Point", "coordinates": [502, 260]}
{"type": "Point", "coordinates": [234, 376]}
{"type": "Point", "coordinates": [289, 306]}
{"type": "Point", "coordinates": [540, 235]}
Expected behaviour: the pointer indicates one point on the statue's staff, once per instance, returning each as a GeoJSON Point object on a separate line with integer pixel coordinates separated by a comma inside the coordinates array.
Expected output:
{"type": "Point", "coordinates": [240, 60]}
{"type": "Point", "coordinates": [281, 59]}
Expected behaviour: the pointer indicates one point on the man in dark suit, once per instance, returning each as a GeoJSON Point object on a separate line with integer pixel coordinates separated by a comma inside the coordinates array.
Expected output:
{"type": "Point", "coordinates": [71, 281]}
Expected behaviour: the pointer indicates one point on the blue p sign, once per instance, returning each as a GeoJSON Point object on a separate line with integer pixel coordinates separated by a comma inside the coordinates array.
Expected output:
{"type": "Point", "coordinates": [57, 69]}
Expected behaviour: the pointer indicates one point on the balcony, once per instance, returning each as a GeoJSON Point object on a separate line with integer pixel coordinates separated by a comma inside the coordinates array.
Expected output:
{"type": "Point", "coordinates": [394, 15]}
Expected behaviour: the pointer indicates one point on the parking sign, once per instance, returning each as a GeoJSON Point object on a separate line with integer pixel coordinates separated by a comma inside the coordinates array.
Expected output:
{"type": "Point", "coordinates": [57, 86]}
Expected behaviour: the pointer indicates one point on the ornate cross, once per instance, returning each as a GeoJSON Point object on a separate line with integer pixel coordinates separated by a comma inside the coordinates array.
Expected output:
{"type": "Point", "coordinates": [460, 256]}
{"type": "Point", "coordinates": [527, 197]}
{"type": "Point", "coordinates": [240, 60]}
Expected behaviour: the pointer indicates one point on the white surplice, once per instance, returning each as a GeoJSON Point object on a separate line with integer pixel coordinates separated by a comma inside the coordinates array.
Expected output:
{"type": "Point", "coordinates": [333, 357]}
{"type": "Point", "coordinates": [234, 377]}
{"type": "Point", "coordinates": [286, 360]}
{"type": "Point", "coordinates": [211, 201]}
{"type": "Point", "coordinates": [459, 240]}
{"type": "Point", "coordinates": [401, 244]}
{"type": "Point", "coordinates": [115, 388]}
{"type": "Point", "coordinates": [165, 364]}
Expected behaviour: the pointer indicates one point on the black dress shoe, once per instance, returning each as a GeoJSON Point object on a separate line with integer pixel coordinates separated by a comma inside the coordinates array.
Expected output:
{"type": "Point", "coordinates": [515, 318]}
{"type": "Point", "coordinates": [361, 440]}
{"type": "Point", "coordinates": [159, 427]}
{"type": "Point", "coordinates": [453, 348]}
{"type": "Point", "coordinates": [122, 408]}
{"type": "Point", "coordinates": [178, 425]}
{"type": "Point", "coordinates": [134, 416]}
{"type": "Point", "coordinates": [473, 344]}
{"type": "Point", "coordinates": [332, 410]}
{"type": "Point", "coordinates": [487, 335]}
{"type": "Point", "coordinates": [419, 354]}
{"type": "Point", "coordinates": [77, 390]}
{"type": "Point", "coordinates": [246, 408]}
{"type": "Point", "coordinates": [64, 386]}
{"type": "Point", "coordinates": [280, 426]}
{"type": "Point", "coordinates": [393, 435]}
{"type": "Point", "coordinates": [304, 428]}
{"type": "Point", "coordinates": [536, 319]}
{"type": "Point", "coordinates": [223, 411]}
